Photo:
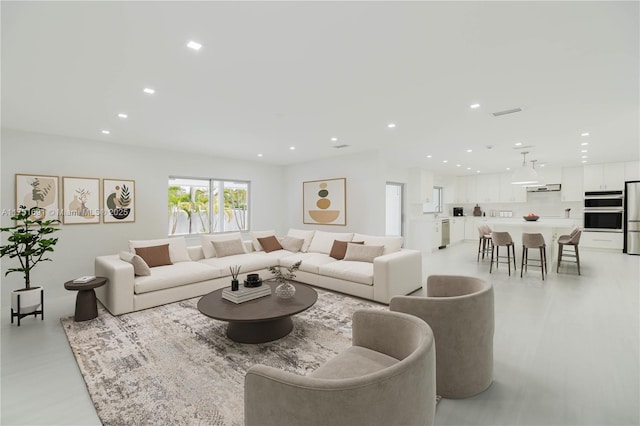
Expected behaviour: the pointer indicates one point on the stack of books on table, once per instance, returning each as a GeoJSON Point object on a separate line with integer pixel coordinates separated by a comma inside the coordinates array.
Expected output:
{"type": "Point", "coordinates": [244, 294]}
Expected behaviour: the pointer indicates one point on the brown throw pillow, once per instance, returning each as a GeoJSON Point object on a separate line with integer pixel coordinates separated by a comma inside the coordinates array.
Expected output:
{"type": "Point", "coordinates": [339, 248]}
{"type": "Point", "coordinates": [155, 255]}
{"type": "Point", "coordinates": [270, 243]}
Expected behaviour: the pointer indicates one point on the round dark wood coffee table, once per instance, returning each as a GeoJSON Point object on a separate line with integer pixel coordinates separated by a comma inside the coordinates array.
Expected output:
{"type": "Point", "coordinates": [86, 304]}
{"type": "Point", "coordinates": [260, 320]}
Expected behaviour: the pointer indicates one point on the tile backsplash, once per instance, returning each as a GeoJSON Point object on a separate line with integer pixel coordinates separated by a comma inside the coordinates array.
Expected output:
{"type": "Point", "coordinates": [544, 204]}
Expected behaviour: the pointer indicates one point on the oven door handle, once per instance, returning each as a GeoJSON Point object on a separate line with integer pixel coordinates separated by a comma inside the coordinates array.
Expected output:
{"type": "Point", "coordinates": [597, 210]}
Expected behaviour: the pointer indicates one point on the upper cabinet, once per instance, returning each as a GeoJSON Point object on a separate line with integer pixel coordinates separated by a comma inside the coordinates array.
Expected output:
{"type": "Point", "coordinates": [510, 193]}
{"type": "Point", "coordinates": [488, 188]}
{"type": "Point", "coordinates": [632, 170]}
{"type": "Point", "coordinates": [571, 184]}
{"type": "Point", "coordinates": [604, 177]}
{"type": "Point", "coordinates": [420, 186]}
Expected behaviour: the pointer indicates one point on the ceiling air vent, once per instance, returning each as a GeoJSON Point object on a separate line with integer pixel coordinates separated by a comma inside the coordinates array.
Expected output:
{"type": "Point", "coordinates": [506, 111]}
{"type": "Point", "coordinates": [343, 145]}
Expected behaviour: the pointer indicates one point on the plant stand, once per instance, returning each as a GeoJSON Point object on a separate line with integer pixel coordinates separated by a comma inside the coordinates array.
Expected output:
{"type": "Point", "coordinates": [17, 312]}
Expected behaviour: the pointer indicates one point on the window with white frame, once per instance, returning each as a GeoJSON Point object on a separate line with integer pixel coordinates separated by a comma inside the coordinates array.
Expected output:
{"type": "Point", "coordinates": [203, 206]}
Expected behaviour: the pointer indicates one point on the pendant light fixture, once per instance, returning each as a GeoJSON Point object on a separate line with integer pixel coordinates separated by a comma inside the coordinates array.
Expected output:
{"type": "Point", "coordinates": [524, 175]}
{"type": "Point", "coordinates": [540, 181]}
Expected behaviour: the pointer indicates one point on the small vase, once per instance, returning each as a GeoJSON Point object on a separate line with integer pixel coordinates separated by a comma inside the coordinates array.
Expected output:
{"type": "Point", "coordinates": [285, 290]}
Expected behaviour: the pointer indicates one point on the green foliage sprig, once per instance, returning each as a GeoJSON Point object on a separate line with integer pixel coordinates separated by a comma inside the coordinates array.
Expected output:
{"type": "Point", "coordinates": [283, 277]}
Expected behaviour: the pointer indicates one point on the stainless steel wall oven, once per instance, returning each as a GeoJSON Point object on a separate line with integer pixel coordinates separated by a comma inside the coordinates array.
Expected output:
{"type": "Point", "coordinates": [604, 211]}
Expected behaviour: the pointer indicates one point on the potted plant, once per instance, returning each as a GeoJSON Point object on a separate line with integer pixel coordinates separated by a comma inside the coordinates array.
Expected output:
{"type": "Point", "coordinates": [285, 289]}
{"type": "Point", "coordinates": [30, 241]}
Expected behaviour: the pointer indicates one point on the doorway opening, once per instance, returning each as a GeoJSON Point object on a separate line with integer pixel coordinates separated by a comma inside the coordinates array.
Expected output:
{"type": "Point", "coordinates": [394, 210]}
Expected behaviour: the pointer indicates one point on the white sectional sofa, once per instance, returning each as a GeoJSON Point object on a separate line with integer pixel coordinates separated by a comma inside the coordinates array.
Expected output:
{"type": "Point", "coordinates": [374, 268]}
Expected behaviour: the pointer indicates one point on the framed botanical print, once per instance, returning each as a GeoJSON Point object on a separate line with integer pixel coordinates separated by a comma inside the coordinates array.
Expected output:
{"type": "Point", "coordinates": [324, 202]}
{"type": "Point", "coordinates": [40, 192]}
{"type": "Point", "coordinates": [119, 200]}
{"type": "Point", "coordinates": [80, 200]}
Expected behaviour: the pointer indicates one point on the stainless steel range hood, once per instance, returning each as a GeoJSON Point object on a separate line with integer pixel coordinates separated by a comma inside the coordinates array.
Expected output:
{"type": "Point", "coordinates": [544, 188]}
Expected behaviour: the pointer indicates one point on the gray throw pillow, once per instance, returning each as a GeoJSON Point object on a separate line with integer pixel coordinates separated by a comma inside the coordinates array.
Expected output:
{"type": "Point", "coordinates": [228, 247]}
{"type": "Point", "coordinates": [140, 267]}
{"type": "Point", "coordinates": [292, 244]}
{"type": "Point", "coordinates": [362, 253]}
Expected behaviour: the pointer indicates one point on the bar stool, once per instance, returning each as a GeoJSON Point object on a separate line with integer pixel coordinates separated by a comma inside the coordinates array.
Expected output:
{"type": "Point", "coordinates": [571, 240]}
{"type": "Point", "coordinates": [484, 241]}
{"type": "Point", "coordinates": [534, 241]}
{"type": "Point", "coordinates": [503, 239]}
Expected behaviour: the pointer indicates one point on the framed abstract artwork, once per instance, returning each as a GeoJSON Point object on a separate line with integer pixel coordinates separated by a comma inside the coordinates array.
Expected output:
{"type": "Point", "coordinates": [324, 202]}
{"type": "Point", "coordinates": [119, 200]}
{"type": "Point", "coordinates": [80, 200]}
{"type": "Point", "coordinates": [40, 192]}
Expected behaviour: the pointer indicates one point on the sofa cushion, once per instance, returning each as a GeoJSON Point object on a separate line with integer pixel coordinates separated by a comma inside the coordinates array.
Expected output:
{"type": "Point", "coordinates": [363, 253]}
{"type": "Point", "coordinates": [270, 243]}
{"type": "Point", "coordinates": [207, 247]}
{"type": "Point", "coordinates": [292, 244]}
{"type": "Point", "coordinates": [356, 361]}
{"type": "Point", "coordinates": [175, 275]}
{"type": "Point", "coordinates": [248, 262]}
{"type": "Point", "coordinates": [305, 235]}
{"type": "Point", "coordinates": [339, 248]}
{"type": "Point", "coordinates": [323, 241]}
{"type": "Point", "coordinates": [228, 247]}
{"type": "Point", "coordinates": [177, 247]}
{"type": "Point", "coordinates": [310, 261]}
{"type": "Point", "coordinates": [359, 272]}
{"type": "Point", "coordinates": [391, 244]}
{"type": "Point", "coordinates": [255, 235]}
{"type": "Point", "coordinates": [140, 267]}
{"type": "Point", "coordinates": [155, 255]}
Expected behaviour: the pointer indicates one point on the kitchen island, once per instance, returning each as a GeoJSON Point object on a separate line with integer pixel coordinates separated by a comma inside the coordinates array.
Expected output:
{"type": "Point", "coordinates": [551, 228]}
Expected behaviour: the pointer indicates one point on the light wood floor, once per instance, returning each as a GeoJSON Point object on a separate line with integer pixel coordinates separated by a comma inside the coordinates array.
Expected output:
{"type": "Point", "coordinates": [566, 350]}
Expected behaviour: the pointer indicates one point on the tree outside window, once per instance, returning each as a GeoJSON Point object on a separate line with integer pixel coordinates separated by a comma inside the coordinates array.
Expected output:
{"type": "Point", "coordinates": [195, 206]}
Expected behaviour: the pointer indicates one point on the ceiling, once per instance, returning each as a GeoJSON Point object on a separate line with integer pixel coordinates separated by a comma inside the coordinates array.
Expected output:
{"type": "Point", "coordinates": [272, 75]}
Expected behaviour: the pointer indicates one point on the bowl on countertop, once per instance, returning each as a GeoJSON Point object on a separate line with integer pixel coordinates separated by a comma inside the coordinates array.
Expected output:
{"type": "Point", "coordinates": [531, 218]}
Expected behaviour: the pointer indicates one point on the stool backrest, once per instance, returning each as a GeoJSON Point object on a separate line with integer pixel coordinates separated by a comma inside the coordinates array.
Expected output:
{"type": "Point", "coordinates": [532, 240]}
{"type": "Point", "coordinates": [501, 238]}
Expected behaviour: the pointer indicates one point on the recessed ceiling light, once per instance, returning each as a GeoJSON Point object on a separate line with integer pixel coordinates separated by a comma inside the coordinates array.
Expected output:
{"type": "Point", "coordinates": [584, 134]}
{"type": "Point", "coordinates": [194, 45]}
{"type": "Point", "coordinates": [508, 168]}
{"type": "Point", "coordinates": [474, 106]}
{"type": "Point", "coordinates": [585, 156]}
{"type": "Point", "coordinates": [518, 143]}
{"type": "Point", "coordinates": [585, 150]}
{"type": "Point", "coordinates": [445, 161]}
{"type": "Point", "coordinates": [541, 165]}
{"type": "Point", "coordinates": [458, 165]}
{"type": "Point", "coordinates": [429, 156]}
{"type": "Point", "coordinates": [584, 143]}
{"type": "Point", "coordinates": [469, 150]}
{"type": "Point", "coordinates": [259, 155]}
{"type": "Point", "coordinates": [391, 125]}
{"type": "Point", "coordinates": [106, 132]}
{"type": "Point", "coordinates": [584, 161]}
{"type": "Point", "coordinates": [468, 168]}
{"type": "Point", "coordinates": [149, 91]}
{"type": "Point", "coordinates": [334, 139]}
{"type": "Point", "coordinates": [122, 115]}
{"type": "Point", "coordinates": [477, 171]}
{"type": "Point", "coordinates": [292, 148]}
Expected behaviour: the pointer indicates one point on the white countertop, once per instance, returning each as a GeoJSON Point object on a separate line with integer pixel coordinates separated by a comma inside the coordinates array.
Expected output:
{"type": "Point", "coordinates": [553, 222]}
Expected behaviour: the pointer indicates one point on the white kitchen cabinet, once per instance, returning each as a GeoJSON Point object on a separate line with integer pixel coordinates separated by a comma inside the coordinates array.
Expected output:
{"type": "Point", "coordinates": [461, 190]}
{"type": "Point", "coordinates": [420, 186]}
{"type": "Point", "coordinates": [472, 190]}
{"type": "Point", "coordinates": [436, 240]}
{"type": "Point", "coordinates": [603, 240]}
{"type": "Point", "coordinates": [457, 229]}
{"type": "Point", "coordinates": [510, 193]}
{"type": "Point", "coordinates": [549, 175]}
{"type": "Point", "coordinates": [632, 170]}
{"type": "Point", "coordinates": [471, 227]}
{"type": "Point", "coordinates": [571, 184]}
{"type": "Point", "coordinates": [488, 188]}
{"type": "Point", "coordinates": [449, 189]}
{"type": "Point", "coordinates": [604, 177]}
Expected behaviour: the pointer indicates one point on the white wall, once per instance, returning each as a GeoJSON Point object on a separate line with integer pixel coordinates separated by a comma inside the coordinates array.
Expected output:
{"type": "Point", "coordinates": [33, 153]}
{"type": "Point", "coordinates": [366, 181]}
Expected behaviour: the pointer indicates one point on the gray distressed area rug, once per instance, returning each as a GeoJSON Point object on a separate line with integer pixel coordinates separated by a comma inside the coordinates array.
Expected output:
{"type": "Point", "coordinates": [171, 365]}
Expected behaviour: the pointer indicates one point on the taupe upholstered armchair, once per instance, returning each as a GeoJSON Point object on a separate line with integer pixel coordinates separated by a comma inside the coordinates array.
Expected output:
{"type": "Point", "coordinates": [460, 311]}
{"type": "Point", "coordinates": [387, 377]}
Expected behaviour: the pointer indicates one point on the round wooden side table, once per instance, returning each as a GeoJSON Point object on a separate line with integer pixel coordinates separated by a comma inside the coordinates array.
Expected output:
{"type": "Point", "coordinates": [86, 303]}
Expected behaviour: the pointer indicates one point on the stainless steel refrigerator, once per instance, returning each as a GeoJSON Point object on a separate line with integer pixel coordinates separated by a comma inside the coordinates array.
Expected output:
{"type": "Point", "coordinates": [632, 218]}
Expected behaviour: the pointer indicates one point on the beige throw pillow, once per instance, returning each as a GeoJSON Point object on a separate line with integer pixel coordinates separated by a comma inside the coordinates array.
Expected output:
{"type": "Point", "coordinates": [301, 233]}
{"type": "Point", "coordinates": [206, 242]}
{"type": "Point", "coordinates": [139, 265]}
{"type": "Point", "coordinates": [292, 244]}
{"type": "Point", "coordinates": [228, 247]}
{"type": "Point", "coordinates": [339, 248]}
{"type": "Point", "coordinates": [155, 256]}
{"type": "Point", "coordinates": [362, 253]}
